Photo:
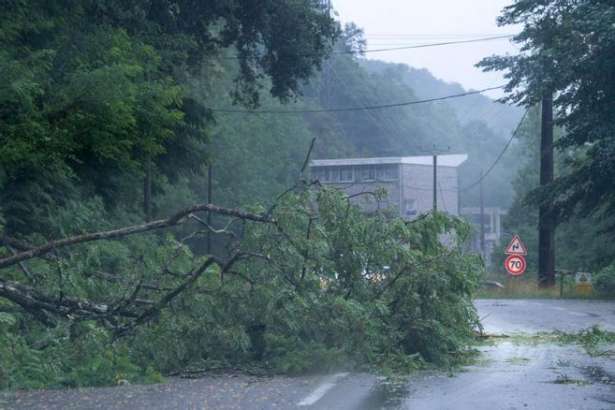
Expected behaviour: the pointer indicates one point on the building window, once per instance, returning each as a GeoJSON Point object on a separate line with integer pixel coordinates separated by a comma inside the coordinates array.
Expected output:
{"type": "Point", "coordinates": [387, 173]}
{"type": "Point", "coordinates": [410, 208]}
{"type": "Point", "coordinates": [346, 174]}
{"type": "Point", "coordinates": [320, 174]}
{"type": "Point", "coordinates": [368, 173]}
{"type": "Point", "coordinates": [349, 174]}
{"type": "Point", "coordinates": [334, 175]}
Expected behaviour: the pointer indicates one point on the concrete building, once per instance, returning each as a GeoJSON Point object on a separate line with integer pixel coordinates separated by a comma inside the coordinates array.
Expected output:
{"type": "Point", "coordinates": [493, 229]}
{"type": "Point", "coordinates": [408, 182]}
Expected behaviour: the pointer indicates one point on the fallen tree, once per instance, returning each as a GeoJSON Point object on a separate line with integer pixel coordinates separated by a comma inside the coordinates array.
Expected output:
{"type": "Point", "coordinates": [134, 308]}
{"type": "Point", "coordinates": [307, 283]}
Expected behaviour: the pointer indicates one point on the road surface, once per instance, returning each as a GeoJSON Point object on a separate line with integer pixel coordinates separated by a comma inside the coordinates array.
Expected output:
{"type": "Point", "coordinates": [510, 374]}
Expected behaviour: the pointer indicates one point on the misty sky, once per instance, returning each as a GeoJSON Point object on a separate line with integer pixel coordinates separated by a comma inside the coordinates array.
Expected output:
{"type": "Point", "coordinates": [388, 23]}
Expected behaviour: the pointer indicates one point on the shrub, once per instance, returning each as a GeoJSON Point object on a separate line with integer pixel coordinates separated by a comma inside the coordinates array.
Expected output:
{"type": "Point", "coordinates": [605, 280]}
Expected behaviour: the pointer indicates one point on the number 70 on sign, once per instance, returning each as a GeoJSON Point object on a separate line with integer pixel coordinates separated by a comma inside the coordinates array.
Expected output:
{"type": "Point", "coordinates": [515, 265]}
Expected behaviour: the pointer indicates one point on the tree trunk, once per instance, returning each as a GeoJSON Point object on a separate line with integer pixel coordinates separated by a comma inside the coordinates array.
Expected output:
{"type": "Point", "coordinates": [546, 220]}
{"type": "Point", "coordinates": [210, 189]}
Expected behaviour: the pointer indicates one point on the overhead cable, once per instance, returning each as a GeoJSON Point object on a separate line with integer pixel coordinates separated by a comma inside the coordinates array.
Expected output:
{"type": "Point", "coordinates": [408, 47]}
{"type": "Point", "coordinates": [499, 157]}
{"type": "Point", "coordinates": [443, 43]}
{"type": "Point", "coordinates": [360, 108]}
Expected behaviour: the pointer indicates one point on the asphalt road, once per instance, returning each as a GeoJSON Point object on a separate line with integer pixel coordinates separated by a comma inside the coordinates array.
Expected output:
{"type": "Point", "coordinates": [511, 373]}
{"type": "Point", "coordinates": [534, 316]}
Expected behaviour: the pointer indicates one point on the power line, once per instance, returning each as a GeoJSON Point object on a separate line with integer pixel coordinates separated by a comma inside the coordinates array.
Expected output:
{"type": "Point", "coordinates": [364, 108]}
{"type": "Point", "coordinates": [434, 35]}
{"type": "Point", "coordinates": [514, 134]}
{"type": "Point", "coordinates": [409, 47]}
{"type": "Point", "coordinates": [443, 43]}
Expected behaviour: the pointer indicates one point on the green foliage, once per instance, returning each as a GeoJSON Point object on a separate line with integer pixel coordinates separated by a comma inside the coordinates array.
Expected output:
{"type": "Point", "coordinates": [593, 340]}
{"type": "Point", "coordinates": [580, 240]}
{"type": "Point", "coordinates": [333, 288]}
{"type": "Point", "coordinates": [79, 355]}
{"type": "Point", "coordinates": [604, 281]}
{"type": "Point", "coordinates": [97, 97]}
{"type": "Point", "coordinates": [324, 299]}
{"type": "Point", "coordinates": [567, 51]}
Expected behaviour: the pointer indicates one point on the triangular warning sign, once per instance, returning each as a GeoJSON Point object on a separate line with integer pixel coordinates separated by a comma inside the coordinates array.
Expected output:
{"type": "Point", "coordinates": [516, 247]}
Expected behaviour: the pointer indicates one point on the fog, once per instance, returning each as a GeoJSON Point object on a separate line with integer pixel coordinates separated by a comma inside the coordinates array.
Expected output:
{"type": "Point", "coordinates": [401, 22]}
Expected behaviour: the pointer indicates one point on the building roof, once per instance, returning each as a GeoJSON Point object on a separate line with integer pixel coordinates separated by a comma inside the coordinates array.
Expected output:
{"type": "Point", "coordinates": [443, 161]}
{"type": "Point", "coordinates": [488, 210]}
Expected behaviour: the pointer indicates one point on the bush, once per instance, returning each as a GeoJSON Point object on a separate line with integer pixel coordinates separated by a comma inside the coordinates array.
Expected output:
{"type": "Point", "coordinates": [604, 280]}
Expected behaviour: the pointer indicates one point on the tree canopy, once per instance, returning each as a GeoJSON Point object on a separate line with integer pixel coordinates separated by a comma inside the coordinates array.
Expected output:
{"type": "Point", "coordinates": [101, 91]}
{"type": "Point", "coordinates": [568, 48]}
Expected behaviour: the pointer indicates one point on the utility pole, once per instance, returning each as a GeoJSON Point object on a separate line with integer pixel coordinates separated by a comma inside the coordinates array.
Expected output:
{"type": "Point", "coordinates": [546, 218]}
{"type": "Point", "coordinates": [435, 182]}
{"type": "Point", "coordinates": [435, 152]}
{"type": "Point", "coordinates": [147, 190]}
{"type": "Point", "coordinates": [209, 201]}
{"type": "Point", "coordinates": [482, 217]}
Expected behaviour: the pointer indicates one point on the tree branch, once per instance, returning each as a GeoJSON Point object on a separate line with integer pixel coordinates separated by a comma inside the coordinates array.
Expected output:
{"type": "Point", "coordinates": [174, 220]}
{"type": "Point", "coordinates": [15, 243]}
{"type": "Point", "coordinates": [33, 300]}
{"type": "Point", "coordinates": [166, 299]}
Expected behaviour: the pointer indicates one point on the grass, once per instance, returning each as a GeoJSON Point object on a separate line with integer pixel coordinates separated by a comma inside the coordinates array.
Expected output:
{"type": "Point", "coordinates": [527, 288]}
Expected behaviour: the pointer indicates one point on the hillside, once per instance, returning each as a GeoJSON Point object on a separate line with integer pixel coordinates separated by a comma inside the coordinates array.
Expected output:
{"type": "Point", "coordinates": [277, 142]}
{"type": "Point", "coordinates": [500, 118]}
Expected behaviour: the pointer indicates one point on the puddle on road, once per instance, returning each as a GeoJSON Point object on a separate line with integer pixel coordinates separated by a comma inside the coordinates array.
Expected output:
{"type": "Point", "coordinates": [386, 395]}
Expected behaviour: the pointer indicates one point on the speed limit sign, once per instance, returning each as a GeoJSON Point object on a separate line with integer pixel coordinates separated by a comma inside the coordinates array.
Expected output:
{"type": "Point", "coordinates": [515, 265]}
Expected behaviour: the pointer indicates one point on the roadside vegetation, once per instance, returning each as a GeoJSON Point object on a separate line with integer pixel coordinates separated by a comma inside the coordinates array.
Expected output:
{"type": "Point", "coordinates": [526, 287]}
{"type": "Point", "coordinates": [566, 59]}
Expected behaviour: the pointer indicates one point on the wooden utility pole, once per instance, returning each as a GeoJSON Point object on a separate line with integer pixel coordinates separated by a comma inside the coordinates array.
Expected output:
{"type": "Point", "coordinates": [482, 218]}
{"type": "Point", "coordinates": [435, 182]}
{"type": "Point", "coordinates": [546, 218]}
{"type": "Point", "coordinates": [209, 201]}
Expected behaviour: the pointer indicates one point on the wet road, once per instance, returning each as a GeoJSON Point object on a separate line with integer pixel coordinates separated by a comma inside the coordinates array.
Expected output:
{"type": "Point", "coordinates": [511, 373]}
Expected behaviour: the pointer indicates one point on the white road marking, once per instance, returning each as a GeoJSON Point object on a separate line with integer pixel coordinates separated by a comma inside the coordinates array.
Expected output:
{"type": "Point", "coordinates": [324, 387]}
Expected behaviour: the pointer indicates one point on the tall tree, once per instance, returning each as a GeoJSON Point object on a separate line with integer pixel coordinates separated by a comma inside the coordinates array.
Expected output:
{"type": "Point", "coordinates": [98, 94]}
{"type": "Point", "coordinates": [567, 49]}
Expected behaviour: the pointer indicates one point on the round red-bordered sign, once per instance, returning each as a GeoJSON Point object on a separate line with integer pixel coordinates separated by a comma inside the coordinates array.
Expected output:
{"type": "Point", "coordinates": [515, 265]}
